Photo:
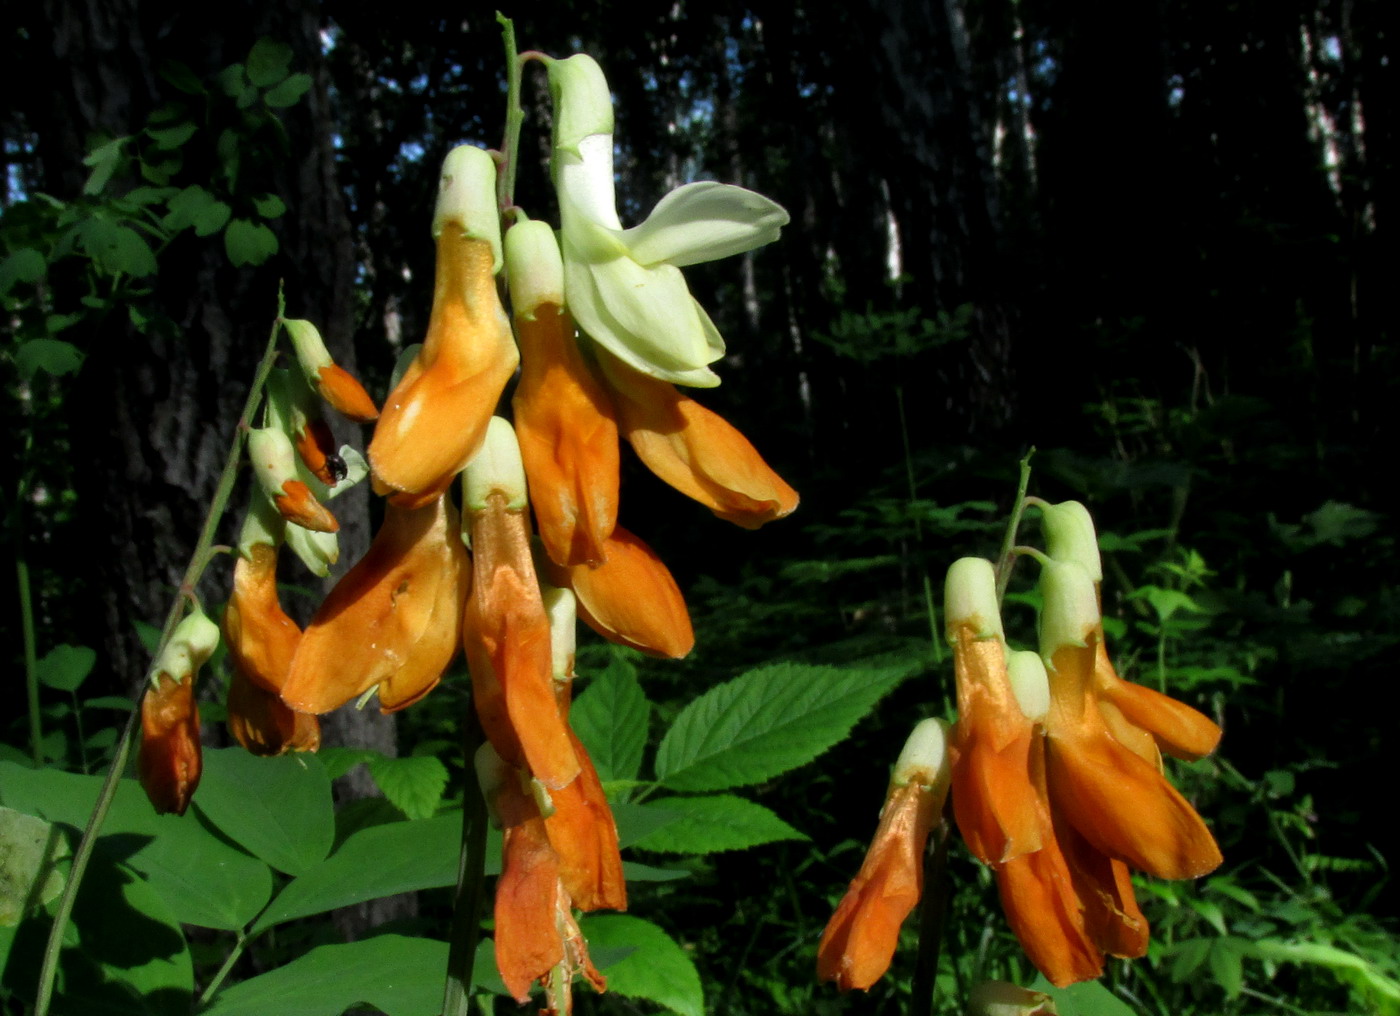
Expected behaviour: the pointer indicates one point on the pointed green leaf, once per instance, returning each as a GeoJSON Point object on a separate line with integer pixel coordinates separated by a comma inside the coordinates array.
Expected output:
{"type": "Point", "coordinates": [610, 718]}
{"type": "Point", "coordinates": [200, 877]}
{"type": "Point", "coordinates": [397, 975]}
{"type": "Point", "coordinates": [288, 92]}
{"type": "Point", "coordinates": [181, 77]}
{"type": "Point", "coordinates": [171, 137]}
{"type": "Point", "coordinates": [277, 808]}
{"type": "Point", "coordinates": [414, 785]}
{"type": "Point", "coordinates": [104, 161]}
{"type": "Point", "coordinates": [708, 825]}
{"type": "Point", "coordinates": [397, 857]}
{"type": "Point", "coordinates": [768, 721]}
{"type": "Point", "coordinates": [1089, 998]}
{"type": "Point", "coordinates": [65, 667]}
{"type": "Point", "coordinates": [657, 969]}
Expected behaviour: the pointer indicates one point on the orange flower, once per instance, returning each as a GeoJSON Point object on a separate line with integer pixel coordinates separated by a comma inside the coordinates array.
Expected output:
{"type": "Point", "coordinates": [568, 439]}
{"type": "Point", "coordinates": [1084, 780]}
{"type": "Point", "coordinates": [631, 598]}
{"type": "Point", "coordinates": [536, 934]}
{"type": "Point", "coordinates": [435, 418]}
{"type": "Point", "coordinates": [170, 753]}
{"type": "Point", "coordinates": [392, 621]}
{"type": "Point", "coordinates": [506, 630]}
{"type": "Point", "coordinates": [997, 808]}
{"type": "Point", "coordinates": [345, 394]}
{"type": "Point", "coordinates": [261, 637]}
{"type": "Point", "coordinates": [259, 721]}
{"type": "Point", "coordinates": [584, 836]}
{"type": "Point", "coordinates": [860, 939]}
{"type": "Point", "coordinates": [695, 450]}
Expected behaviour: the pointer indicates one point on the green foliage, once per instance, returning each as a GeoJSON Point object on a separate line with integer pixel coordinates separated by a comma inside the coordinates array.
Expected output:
{"type": "Point", "coordinates": [655, 967]}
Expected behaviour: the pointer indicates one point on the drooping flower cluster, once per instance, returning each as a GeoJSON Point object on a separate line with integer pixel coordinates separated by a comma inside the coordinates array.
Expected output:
{"type": "Point", "coordinates": [393, 624]}
{"type": "Point", "coordinates": [1057, 779]}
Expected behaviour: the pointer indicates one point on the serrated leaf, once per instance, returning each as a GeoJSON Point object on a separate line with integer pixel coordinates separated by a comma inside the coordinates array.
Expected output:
{"type": "Point", "coordinates": [397, 857]}
{"type": "Point", "coordinates": [288, 92]}
{"type": "Point", "coordinates": [610, 718]}
{"type": "Point", "coordinates": [635, 822]}
{"type": "Point", "coordinates": [268, 62]}
{"type": "Point", "coordinates": [414, 784]}
{"type": "Point", "coordinates": [53, 356]}
{"type": "Point", "coordinates": [65, 667]}
{"type": "Point", "coordinates": [24, 265]}
{"type": "Point", "coordinates": [248, 242]}
{"type": "Point", "coordinates": [657, 969]}
{"type": "Point", "coordinates": [269, 206]}
{"type": "Point", "coordinates": [279, 809]}
{"type": "Point", "coordinates": [167, 138]}
{"type": "Point", "coordinates": [708, 825]}
{"type": "Point", "coordinates": [397, 975]}
{"type": "Point", "coordinates": [635, 871]}
{"type": "Point", "coordinates": [768, 721]}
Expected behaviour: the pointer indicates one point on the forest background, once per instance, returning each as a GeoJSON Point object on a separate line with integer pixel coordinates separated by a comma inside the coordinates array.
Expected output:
{"type": "Point", "coordinates": [1146, 239]}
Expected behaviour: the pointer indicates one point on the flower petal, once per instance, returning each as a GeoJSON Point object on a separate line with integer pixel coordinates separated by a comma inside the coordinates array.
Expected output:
{"type": "Point", "coordinates": [1043, 909]}
{"type": "Point", "coordinates": [584, 836]}
{"type": "Point", "coordinates": [860, 939]}
{"type": "Point", "coordinates": [645, 317]}
{"type": "Point", "coordinates": [435, 418]}
{"type": "Point", "coordinates": [568, 440]}
{"type": "Point", "coordinates": [697, 451]}
{"type": "Point", "coordinates": [261, 638]}
{"type": "Point", "coordinates": [171, 760]}
{"type": "Point", "coordinates": [1179, 730]}
{"type": "Point", "coordinates": [392, 620]}
{"type": "Point", "coordinates": [705, 221]}
{"type": "Point", "coordinates": [259, 721]}
{"type": "Point", "coordinates": [631, 598]}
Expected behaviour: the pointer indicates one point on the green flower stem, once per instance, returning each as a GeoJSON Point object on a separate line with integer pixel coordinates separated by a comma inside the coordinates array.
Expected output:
{"type": "Point", "coordinates": [1007, 560]}
{"type": "Point", "coordinates": [471, 883]}
{"type": "Point", "coordinates": [203, 552]}
{"type": "Point", "coordinates": [238, 946]}
{"type": "Point", "coordinates": [515, 118]}
{"type": "Point", "coordinates": [31, 665]}
{"type": "Point", "coordinates": [933, 909]}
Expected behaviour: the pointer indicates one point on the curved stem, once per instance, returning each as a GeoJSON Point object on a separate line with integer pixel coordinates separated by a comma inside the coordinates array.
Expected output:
{"type": "Point", "coordinates": [31, 665]}
{"type": "Point", "coordinates": [1007, 560]}
{"type": "Point", "coordinates": [515, 118]}
{"type": "Point", "coordinates": [198, 560]}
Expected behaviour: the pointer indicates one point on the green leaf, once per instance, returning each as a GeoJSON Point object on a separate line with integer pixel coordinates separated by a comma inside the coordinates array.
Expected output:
{"type": "Point", "coordinates": [397, 975]}
{"type": "Point", "coordinates": [768, 721]}
{"type": "Point", "coordinates": [181, 77]}
{"type": "Point", "coordinates": [248, 242]}
{"type": "Point", "coordinates": [610, 718]}
{"type": "Point", "coordinates": [24, 265]}
{"type": "Point", "coordinates": [288, 92]}
{"type": "Point", "coordinates": [104, 161]}
{"type": "Point", "coordinates": [1226, 963]}
{"type": "Point", "coordinates": [658, 969]}
{"type": "Point", "coordinates": [708, 825]}
{"type": "Point", "coordinates": [116, 248]}
{"type": "Point", "coordinates": [1089, 998]}
{"type": "Point", "coordinates": [167, 138]}
{"type": "Point", "coordinates": [414, 785]}
{"type": "Point", "coordinates": [339, 761]}
{"type": "Point", "coordinates": [29, 851]}
{"type": "Point", "coordinates": [51, 355]}
{"type": "Point", "coordinates": [65, 667]}
{"type": "Point", "coordinates": [277, 808]}
{"type": "Point", "coordinates": [635, 871]}
{"type": "Point", "coordinates": [201, 878]}
{"type": "Point", "coordinates": [268, 62]}
{"type": "Point", "coordinates": [270, 206]}
{"type": "Point", "coordinates": [382, 860]}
